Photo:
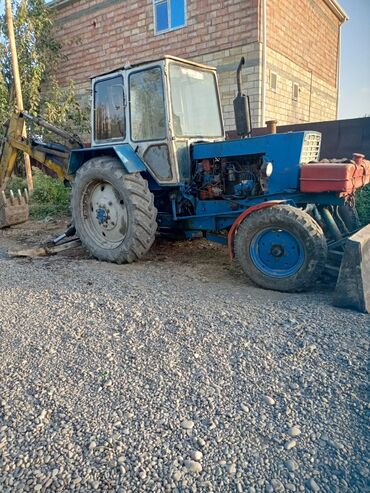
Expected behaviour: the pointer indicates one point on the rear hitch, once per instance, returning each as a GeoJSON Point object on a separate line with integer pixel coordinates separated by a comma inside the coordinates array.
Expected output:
{"type": "Point", "coordinates": [70, 231]}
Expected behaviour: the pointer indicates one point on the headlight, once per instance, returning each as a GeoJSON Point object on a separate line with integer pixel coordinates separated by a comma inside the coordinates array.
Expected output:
{"type": "Point", "coordinates": [267, 169]}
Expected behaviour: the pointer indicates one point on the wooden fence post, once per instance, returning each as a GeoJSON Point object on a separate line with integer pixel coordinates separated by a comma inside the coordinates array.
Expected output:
{"type": "Point", "coordinates": [17, 85]}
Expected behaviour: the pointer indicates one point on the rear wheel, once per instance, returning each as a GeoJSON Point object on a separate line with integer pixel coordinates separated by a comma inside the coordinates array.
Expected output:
{"type": "Point", "coordinates": [113, 211]}
{"type": "Point", "coordinates": [281, 248]}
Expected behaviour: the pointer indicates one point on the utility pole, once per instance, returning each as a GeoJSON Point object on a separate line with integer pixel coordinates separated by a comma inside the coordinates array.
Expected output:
{"type": "Point", "coordinates": [17, 85]}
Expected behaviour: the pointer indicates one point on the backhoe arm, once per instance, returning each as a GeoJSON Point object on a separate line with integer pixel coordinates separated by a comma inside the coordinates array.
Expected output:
{"type": "Point", "coordinates": [14, 210]}
{"type": "Point", "coordinates": [8, 153]}
{"type": "Point", "coordinates": [49, 156]}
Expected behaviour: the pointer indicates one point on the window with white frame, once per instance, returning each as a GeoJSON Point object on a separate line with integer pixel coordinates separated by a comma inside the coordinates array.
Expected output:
{"type": "Point", "coordinates": [169, 15]}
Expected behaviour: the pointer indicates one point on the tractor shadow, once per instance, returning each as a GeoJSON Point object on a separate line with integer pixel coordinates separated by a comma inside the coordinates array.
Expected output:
{"type": "Point", "coordinates": [198, 259]}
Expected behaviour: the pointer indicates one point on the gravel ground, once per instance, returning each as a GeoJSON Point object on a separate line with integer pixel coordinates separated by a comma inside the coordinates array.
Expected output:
{"type": "Point", "coordinates": [175, 374]}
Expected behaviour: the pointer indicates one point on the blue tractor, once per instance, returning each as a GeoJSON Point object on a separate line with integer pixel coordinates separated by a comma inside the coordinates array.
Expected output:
{"type": "Point", "coordinates": [159, 162]}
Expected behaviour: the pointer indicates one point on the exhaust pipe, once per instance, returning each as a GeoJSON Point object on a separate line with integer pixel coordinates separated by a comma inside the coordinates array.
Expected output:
{"type": "Point", "coordinates": [271, 126]}
{"type": "Point", "coordinates": [239, 75]}
{"type": "Point", "coordinates": [243, 121]}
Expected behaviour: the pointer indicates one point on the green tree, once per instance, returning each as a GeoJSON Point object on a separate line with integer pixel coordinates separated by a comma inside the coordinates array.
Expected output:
{"type": "Point", "coordinates": [4, 99]}
{"type": "Point", "coordinates": [39, 54]}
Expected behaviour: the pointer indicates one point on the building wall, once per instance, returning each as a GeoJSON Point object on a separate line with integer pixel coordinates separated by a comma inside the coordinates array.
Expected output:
{"type": "Point", "coordinates": [317, 100]}
{"type": "Point", "coordinates": [302, 40]}
{"type": "Point", "coordinates": [98, 36]}
{"type": "Point", "coordinates": [227, 62]}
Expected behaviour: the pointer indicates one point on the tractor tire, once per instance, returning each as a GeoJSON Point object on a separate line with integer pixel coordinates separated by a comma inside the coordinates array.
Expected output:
{"type": "Point", "coordinates": [281, 248]}
{"type": "Point", "coordinates": [113, 211]}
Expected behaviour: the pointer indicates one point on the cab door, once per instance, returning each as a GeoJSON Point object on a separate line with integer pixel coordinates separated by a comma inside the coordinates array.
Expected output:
{"type": "Point", "coordinates": [108, 110]}
{"type": "Point", "coordinates": [148, 115]}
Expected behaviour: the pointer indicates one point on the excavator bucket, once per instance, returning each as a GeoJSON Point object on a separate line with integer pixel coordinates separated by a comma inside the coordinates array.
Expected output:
{"type": "Point", "coordinates": [353, 285]}
{"type": "Point", "coordinates": [14, 209]}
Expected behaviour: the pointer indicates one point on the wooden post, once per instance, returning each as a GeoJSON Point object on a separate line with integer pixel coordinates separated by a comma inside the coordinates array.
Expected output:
{"type": "Point", "coordinates": [17, 84]}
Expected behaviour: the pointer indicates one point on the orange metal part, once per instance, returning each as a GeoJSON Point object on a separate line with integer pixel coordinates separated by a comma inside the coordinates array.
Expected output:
{"type": "Point", "coordinates": [339, 176]}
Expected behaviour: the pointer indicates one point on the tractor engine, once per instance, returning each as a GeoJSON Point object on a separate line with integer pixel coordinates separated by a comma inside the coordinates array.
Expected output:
{"type": "Point", "coordinates": [236, 177]}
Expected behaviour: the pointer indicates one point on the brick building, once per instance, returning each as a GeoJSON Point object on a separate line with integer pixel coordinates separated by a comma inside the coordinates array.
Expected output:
{"type": "Point", "coordinates": [291, 47]}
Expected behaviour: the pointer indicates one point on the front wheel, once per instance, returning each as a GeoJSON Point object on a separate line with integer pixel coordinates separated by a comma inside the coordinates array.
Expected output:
{"type": "Point", "coordinates": [281, 248]}
{"type": "Point", "coordinates": [113, 211]}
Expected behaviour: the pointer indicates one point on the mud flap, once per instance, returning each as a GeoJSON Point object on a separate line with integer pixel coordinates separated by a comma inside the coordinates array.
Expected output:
{"type": "Point", "coordinates": [13, 210]}
{"type": "Point", "coordinates": [353, 284]}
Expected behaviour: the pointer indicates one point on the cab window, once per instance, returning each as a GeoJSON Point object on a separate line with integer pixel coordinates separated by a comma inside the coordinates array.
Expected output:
{"type": "Point", "coordinates": [147, 109]}
{"type": "Point", "coordinates": [109, 110]}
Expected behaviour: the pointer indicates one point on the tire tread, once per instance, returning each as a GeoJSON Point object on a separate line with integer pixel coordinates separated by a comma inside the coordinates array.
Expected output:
{"type": "Point", "coordinates": [143, 212]}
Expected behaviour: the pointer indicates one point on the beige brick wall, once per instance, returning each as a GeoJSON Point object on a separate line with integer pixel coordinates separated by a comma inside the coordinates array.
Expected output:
{"type": "Point", "coordinates": [317, 99]}
{"type": "Point", "coordinates": [226, 62]}
{"type": "Point", "coordinates": [302, 39]}
{"type": "Point", "coordinates": [302, 48]}
{"type": "Point", "coordinates": [306, 32]}
{"type": "Point", "coordinates": [316, 102]}
{"type": "Point", "coordinates": [100, 35]}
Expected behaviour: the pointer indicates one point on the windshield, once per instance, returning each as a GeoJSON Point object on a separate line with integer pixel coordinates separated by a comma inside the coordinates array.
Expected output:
{"type": "Point", "coordinates": [195, 106]}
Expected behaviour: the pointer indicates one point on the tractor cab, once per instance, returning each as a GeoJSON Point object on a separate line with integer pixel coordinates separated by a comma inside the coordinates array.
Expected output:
{"type": "Point", "coordinates": [158, 108]}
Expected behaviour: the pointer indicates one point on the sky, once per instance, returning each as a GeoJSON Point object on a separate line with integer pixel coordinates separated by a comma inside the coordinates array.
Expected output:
{"type": "Point", "coordinates": [354, 82]}
{"type": "Point", "coordinates": [354, 85]}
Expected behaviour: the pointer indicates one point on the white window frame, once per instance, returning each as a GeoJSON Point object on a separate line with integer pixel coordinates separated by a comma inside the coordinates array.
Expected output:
{"type": "Point", "coordinates": [272, 73]}
{"type": "Point", "coordinates": [163, 31]}
{"type": "Point", "coordinates": [295, 97]}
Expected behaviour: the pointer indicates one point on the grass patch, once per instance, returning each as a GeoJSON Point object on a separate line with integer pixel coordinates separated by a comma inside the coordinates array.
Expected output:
{"type": "Point", "coordinates": [50, 198]}
{"type": "Point", "coordinates": [363, 205]}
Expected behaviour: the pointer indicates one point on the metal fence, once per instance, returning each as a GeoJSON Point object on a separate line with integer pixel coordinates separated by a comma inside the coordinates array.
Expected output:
{"type": "Point", "coordinates": [340, 138]}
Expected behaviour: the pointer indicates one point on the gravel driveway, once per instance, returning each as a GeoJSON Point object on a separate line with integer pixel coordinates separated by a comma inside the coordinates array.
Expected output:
{"type": "Point", "coordinates": [175, 374]}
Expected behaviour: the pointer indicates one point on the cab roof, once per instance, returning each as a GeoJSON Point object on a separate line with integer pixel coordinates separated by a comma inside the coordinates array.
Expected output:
{"type": "Point", "coordinates": [160, 59]}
